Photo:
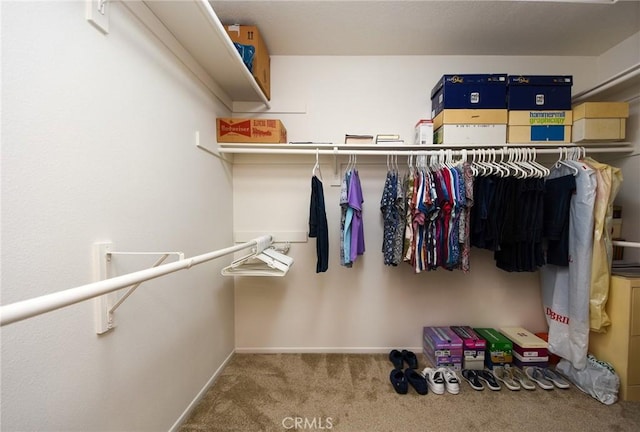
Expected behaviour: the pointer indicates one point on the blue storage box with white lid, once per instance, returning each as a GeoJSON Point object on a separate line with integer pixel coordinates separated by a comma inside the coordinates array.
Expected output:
{"type": "Point", "coordinates": [468, 91]}
{"type": "Point", "coordinates": [539, 92]}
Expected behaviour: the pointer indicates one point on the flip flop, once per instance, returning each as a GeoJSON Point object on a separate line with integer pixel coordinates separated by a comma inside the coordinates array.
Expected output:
{"type": "Point", "coordinates": [471, 376]}
{"type": "Point", "coordinates": [556, 379]}
{"type": "Point", "coordinates": [536, 374]}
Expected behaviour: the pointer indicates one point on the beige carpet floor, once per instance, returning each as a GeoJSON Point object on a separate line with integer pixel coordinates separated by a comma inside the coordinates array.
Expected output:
{"type": "Point", "coordinates": [352, 392]}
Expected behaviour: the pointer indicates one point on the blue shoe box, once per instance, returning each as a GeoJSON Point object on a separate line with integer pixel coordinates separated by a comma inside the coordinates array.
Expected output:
{"type": "Point", "coordinates": [539, 92]}
{"type": "Point", "coordinates": [486, 91]}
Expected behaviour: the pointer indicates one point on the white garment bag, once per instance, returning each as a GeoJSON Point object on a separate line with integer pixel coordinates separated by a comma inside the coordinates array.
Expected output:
{"type": "Point", "coordinates": [566, 290]}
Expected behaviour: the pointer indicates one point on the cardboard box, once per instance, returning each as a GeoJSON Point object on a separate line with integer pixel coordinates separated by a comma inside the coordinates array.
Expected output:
{"type": "Point", "coordinates": [541, 118]}
{"type": "Point", "coordinates": [539, 134]}
{"type": "Point", "coordinates": [473, 347]}
{"type": "Point", "coordinates": [423, 132]}
{"type": "Point", "coordinates": [528, 349]}
{"type": "Point", "coordinates": [261, 67]}
{"type": "Point", "coordinates": [469, 91]}
{"type": "Point", "coordinates": [470, 116]}
{"type": "Point", "coordinates": [499, 349]}
{"type": "Point", "coordinates": [616, 228]}
{"type": "Point", "coordinates": [243, 130]}
{"type": "Point", "coordinates": [442, 341]}
{"type": "Point", "coordinates": [539, 92]}
{"type": "Point", "coordinates": [601, 110]}
{"type": "Point", "coordinates": [483, 134]}
{"type": "Point", "coordinates": [599, 129]}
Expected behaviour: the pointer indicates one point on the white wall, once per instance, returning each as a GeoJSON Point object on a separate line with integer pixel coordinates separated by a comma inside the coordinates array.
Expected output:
{"type": "Point", "coordinates": [98, 144]}
{"type": "Point", "coordinates": [369, 307]}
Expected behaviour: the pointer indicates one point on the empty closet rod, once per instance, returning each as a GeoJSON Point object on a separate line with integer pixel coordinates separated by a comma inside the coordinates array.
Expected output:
{"type": "Point", "coordinates": [382, 152]}
{"type": "Point", "coordinates": [626, 244]}
{"type": "Point", "coordinates": [36, 306]}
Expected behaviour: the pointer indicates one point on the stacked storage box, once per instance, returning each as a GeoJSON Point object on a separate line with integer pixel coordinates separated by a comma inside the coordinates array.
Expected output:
{"type": "Point", "coordinates": [528, 349]}
{"type": "Point", "coordinates": [442, 347]}
{"type": "Point", "coordinates": [470, 109]}
{"type": "Point", "coordinates": [473, 347]}
{"type": "Point", "coordinates": [539, 109]}
{"type": "Point", "coordinates": [499, 348]}
{"type": "Point", "coordinates": [600, 121]}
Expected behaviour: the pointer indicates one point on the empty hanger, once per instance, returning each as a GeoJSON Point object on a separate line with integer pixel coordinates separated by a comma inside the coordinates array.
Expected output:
{"type": "Point", "coordinates": [268, 262]}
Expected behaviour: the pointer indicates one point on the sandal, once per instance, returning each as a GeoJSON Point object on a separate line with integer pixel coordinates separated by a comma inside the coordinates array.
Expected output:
{"type": "Point", "coordinates": [537, 374]}
{"type": "Point", "coordinates": [556, 379]}
{"type": "Point", "coordinates": [524, 381]}
{"type": "Point", "coordinates": [487, 377]}
{"type": "Point", "coordinates": [471, 376]}
{"type": "Point", "coordinates": [504, 374]}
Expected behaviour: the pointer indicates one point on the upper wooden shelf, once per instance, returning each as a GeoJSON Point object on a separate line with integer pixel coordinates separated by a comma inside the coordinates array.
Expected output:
{"type": "Point", "coordinates": [196, 27]}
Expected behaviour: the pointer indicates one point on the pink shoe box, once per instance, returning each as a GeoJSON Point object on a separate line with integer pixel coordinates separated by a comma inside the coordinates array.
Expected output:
{"type": "Point", "coordinates": [473, 345]}
{"type": "Point", "coordinates": [442, 341]}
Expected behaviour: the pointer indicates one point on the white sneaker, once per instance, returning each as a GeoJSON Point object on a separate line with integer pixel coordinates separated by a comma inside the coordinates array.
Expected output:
{"type": "Point", "coordinates": [435, 380]}
{"type": "Point", "coordinates": [451, 381]}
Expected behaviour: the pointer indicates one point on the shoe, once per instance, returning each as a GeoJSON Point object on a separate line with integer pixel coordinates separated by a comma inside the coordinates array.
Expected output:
{"type": "Point", "coordinates": [435, 379]}
{"type": "Point", "coordinates": [556, 378]}
{"type": "Point", "coordinates": [472, 378]}
{"type": "Point", "coordinates": [451, 381]}
{"type": "Point", "coordinates": [396, 358]}
{"type": "Point", "coordinates": [399, 381]}
{"type": "Point", "coordinates": [521, 378]}
{"type": "Point", "coordinates": [410, 358]}
{"type": "Point", "coordinates": [489, 379]}
{"type": "Point", "coordinates": [536, 374]}
{"type": "Point", "coordinates": [417, 381]}
{"type": "Point", "coordinates": [504, 375]}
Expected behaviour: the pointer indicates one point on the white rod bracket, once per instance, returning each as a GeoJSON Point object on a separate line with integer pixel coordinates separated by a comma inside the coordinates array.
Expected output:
{"type": "Point", "coordinates": [106, 305]}
{"type": "Point", "coordinates": [102, 269]}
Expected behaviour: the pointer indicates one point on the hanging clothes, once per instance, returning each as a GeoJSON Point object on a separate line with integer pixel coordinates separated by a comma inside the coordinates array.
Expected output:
{"type": "Point", "coordinates": [436, 217]}
{"type": "Point", "coordinates": [609, 181]}
{"type": "Point", "coordinates": [318, 224]}
{"type": "Point", "coordinates": [346, 215]}
{"type": "Point", "coordinates": [507, 218]}
{"type": "Point", "coordinates": [565, 290]}
{"type": "Point", "coordinates": [390, 218]}
{"type": "Point", "coordinates": [356, 201]}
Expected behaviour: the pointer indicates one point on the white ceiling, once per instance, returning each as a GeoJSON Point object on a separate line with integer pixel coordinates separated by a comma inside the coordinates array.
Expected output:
{"type": "Point", "coordinates": [427, 27]}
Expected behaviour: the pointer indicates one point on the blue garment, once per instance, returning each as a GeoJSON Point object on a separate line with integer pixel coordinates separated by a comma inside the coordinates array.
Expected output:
{"type": "Point", "coordinates": [318, 224]}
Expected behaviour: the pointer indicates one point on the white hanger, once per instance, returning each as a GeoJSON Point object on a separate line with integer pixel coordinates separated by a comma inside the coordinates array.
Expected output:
{"type": "Point", "coordinates": [561, 162]}
{"type": "Point", "coordinates": [316, 168]}
{"type": "Point", "coordinates": [268, 262]}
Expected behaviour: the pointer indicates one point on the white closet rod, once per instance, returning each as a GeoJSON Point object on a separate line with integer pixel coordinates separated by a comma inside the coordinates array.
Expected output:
{"type": "Point", "coordinates": [382, 152]}
{"type": "Point", "coordinates": [36, 306]}
{"type": "Point", "coordinates": [626, 244]}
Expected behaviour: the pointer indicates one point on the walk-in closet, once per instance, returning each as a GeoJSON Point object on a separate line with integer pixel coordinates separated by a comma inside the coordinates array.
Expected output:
{"type": "Point", "coordinates": [155, 278]}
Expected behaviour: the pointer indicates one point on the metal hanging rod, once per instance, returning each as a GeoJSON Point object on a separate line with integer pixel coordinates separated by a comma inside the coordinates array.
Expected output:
{"type": "Point", "coordinates": [39, 305]}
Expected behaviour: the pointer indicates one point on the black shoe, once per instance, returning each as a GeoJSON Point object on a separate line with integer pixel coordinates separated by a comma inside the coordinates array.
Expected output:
{"type": "Point", "coordinates": [471, 376]}
{"type": "Point", "coordinates": [487, 377]}
{"type": "Point", "coordinates": [417, 381]}
{"type": "Point", "coordinates": [396, 358]}
{"type": "Point", "coordinates": [399, 381]}
{"type": "Point", "coordinates": [410, 358]}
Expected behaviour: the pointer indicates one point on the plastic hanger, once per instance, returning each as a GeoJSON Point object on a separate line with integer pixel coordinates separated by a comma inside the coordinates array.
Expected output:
{"type": "Point", "coordinates": [560, 162]}
{"type": "Point", "coordinates": [268, 262]}
{"type": "Point", "coordinates": [316, 168]}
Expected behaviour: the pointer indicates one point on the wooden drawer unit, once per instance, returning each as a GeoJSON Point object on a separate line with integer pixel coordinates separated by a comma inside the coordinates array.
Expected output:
{"type": "Point", "coordinates": [620, 345]}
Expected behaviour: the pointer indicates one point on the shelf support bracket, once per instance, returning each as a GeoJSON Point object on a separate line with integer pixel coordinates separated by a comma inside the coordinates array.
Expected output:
{"type": "Point", "coordinates": [106, 305]}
